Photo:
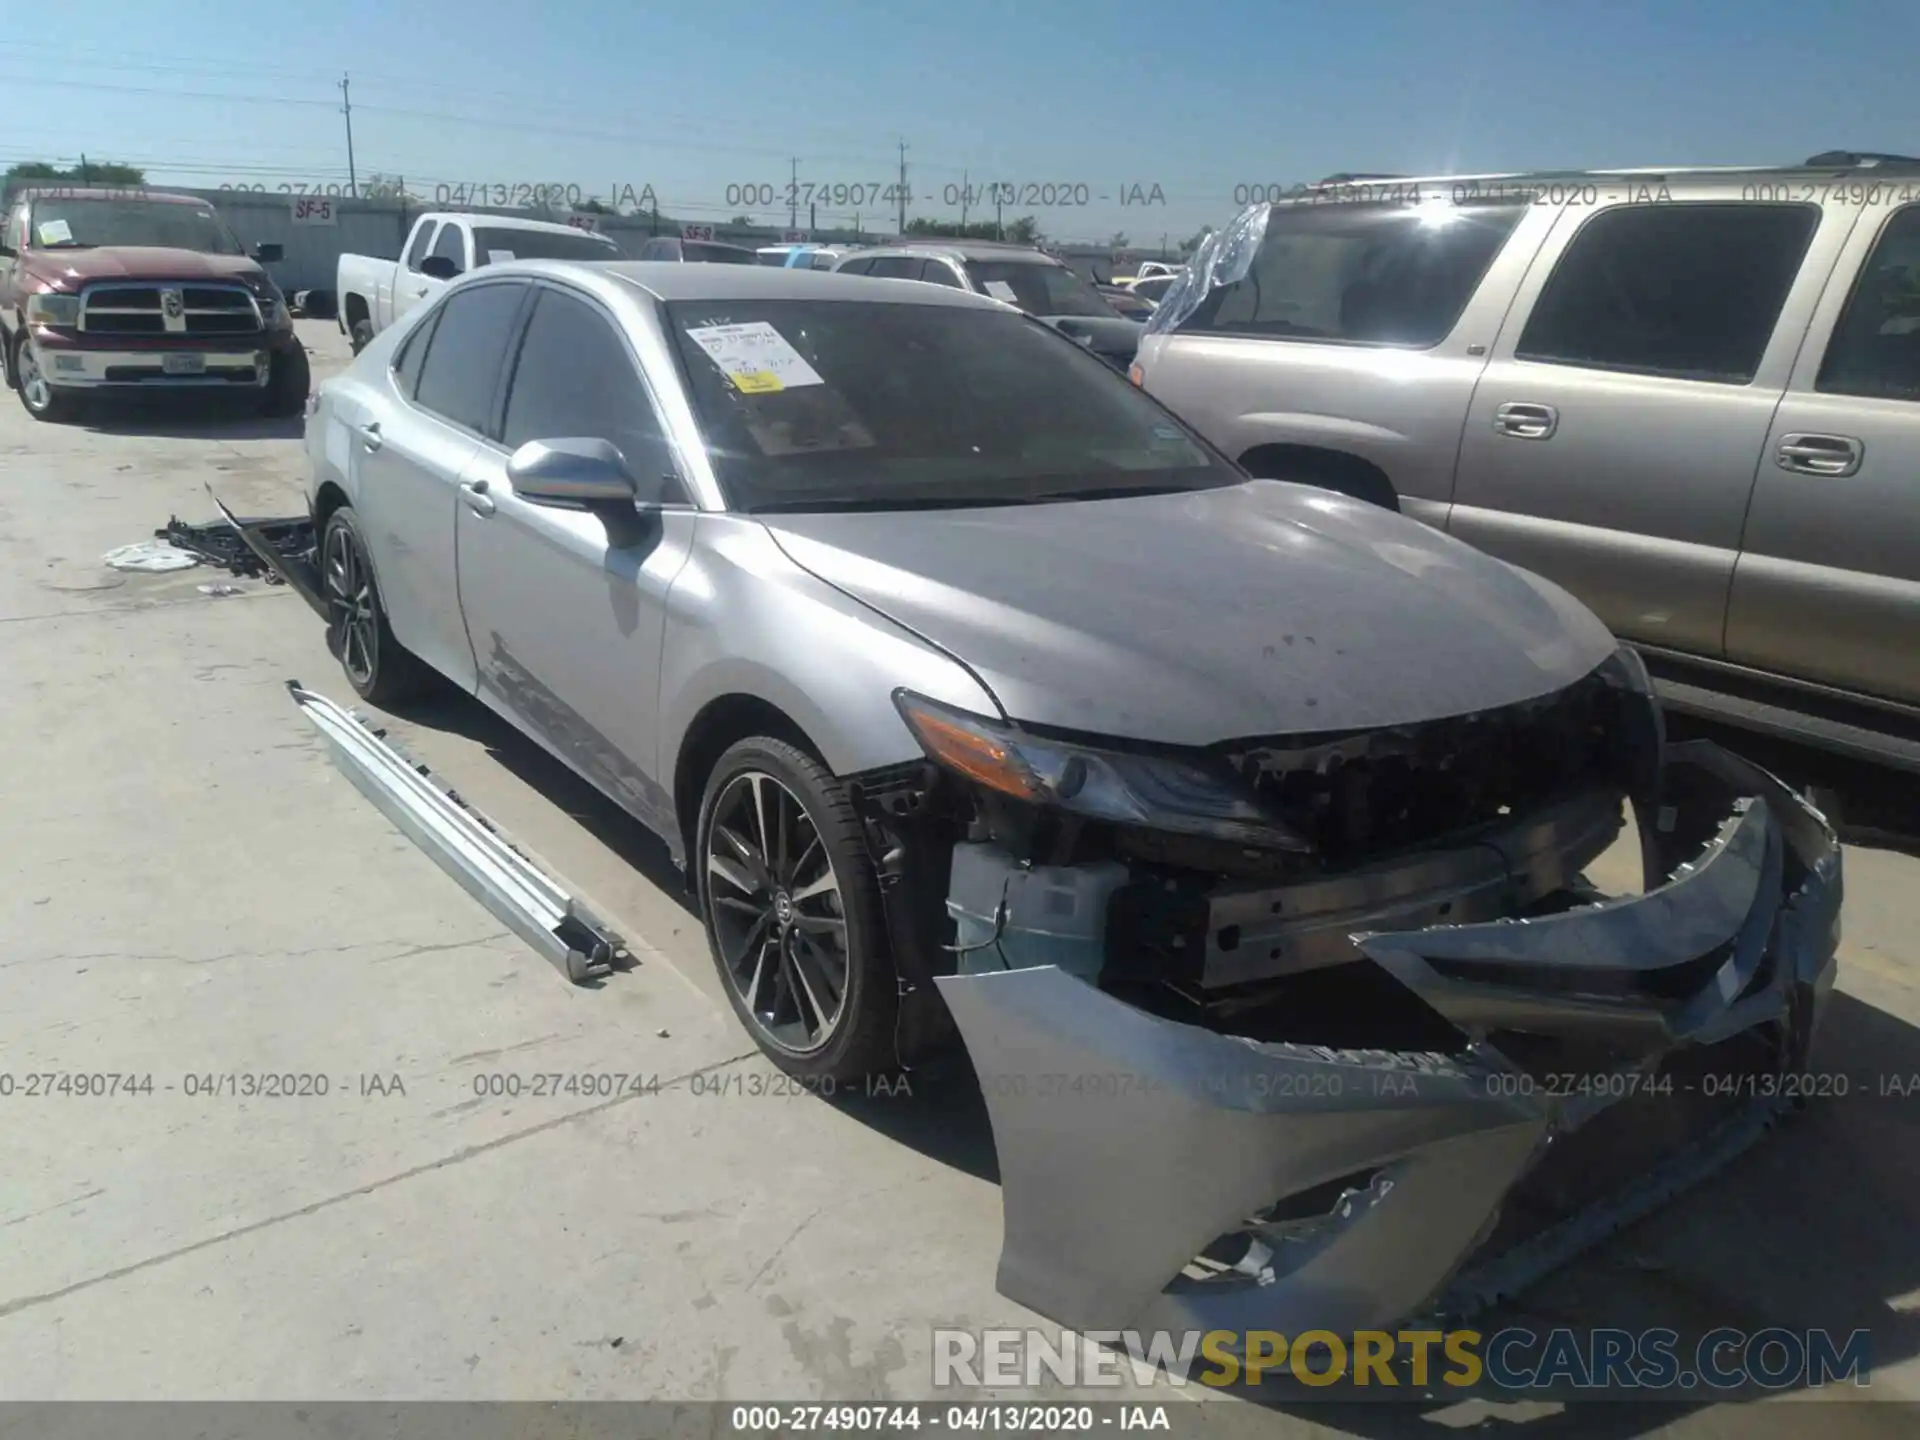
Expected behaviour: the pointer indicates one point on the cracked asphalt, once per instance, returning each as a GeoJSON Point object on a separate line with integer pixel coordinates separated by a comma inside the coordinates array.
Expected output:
{"type": "Point", "coordinates": [345, 1177]}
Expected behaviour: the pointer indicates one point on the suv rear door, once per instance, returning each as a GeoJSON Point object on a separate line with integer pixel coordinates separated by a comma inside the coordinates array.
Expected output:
{"type": "Point", "coordinates": [1828, 582]}
{"type": "Point", "coordinates": [1612, 437]}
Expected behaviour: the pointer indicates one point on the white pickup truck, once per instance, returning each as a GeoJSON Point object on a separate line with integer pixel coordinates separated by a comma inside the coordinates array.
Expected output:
{"type": "Point", "coordinates": [374, 293]}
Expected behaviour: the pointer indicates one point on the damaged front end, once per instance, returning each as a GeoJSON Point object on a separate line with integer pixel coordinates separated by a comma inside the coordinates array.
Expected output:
{"type": "Point", "coordinates": [1329, 1032]}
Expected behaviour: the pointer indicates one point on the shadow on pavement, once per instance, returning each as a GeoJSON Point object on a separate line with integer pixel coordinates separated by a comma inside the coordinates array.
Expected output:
{"type": "Point", "coordinates": [182, 416]}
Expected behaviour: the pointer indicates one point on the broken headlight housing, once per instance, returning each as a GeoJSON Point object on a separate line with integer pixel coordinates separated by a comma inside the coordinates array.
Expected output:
{"type": "Point", "coordinates": [1160, 792]}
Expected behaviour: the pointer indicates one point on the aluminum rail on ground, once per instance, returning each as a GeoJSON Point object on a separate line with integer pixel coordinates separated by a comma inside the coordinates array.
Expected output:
{"type": "Point", "coordinates": [489, 869]}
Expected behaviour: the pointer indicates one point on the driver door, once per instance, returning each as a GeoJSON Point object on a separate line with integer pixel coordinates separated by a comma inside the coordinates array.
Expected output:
{"type": "Point", "coordinates": [566, 608]}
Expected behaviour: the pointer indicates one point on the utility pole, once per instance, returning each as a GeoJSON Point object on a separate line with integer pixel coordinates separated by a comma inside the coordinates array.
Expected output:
{"type": "Point", "coordinates": [813, 218]}
{"type": "Point", "coordinates": [346, 109]}
{"type": "Point", "coordinates": [903, 187]}
{"type": "Point", "coordinates": [793, 196]}
{"type": "Point", "coordinates": [999, 230]}
{"type": "Point", "coordinates": [86, 175]}
{"type": "Point", "coordinates": [965, 176]}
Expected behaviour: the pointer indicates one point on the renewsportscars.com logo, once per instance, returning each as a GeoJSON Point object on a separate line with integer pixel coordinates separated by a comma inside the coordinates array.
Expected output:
{"type": "Point", "coordinates": [1514, 1358]}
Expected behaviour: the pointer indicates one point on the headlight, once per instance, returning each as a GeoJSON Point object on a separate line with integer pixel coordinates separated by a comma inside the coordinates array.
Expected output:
{"type": "Point", "coordinates": [49, 308]}
{"type": "Point", "coordinates": [1161, 792]}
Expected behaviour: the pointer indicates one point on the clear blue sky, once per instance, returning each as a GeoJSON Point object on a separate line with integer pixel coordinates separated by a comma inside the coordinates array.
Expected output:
{"type": "Point", "coordinates": [1196, 96]}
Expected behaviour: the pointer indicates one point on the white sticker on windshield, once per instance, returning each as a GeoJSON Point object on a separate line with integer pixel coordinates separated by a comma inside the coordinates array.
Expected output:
{"type": "Point", "coordinates": [1000, 290]}
{"type": "Point", "coordinates": [499, 257]}
{"type": "Point", "coordinates": [755, 357]}
{"type": "Point", "coordinates": [55, 232]}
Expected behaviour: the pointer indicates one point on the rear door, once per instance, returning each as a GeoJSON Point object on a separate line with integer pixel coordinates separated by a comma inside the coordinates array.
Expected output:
{"type": "Point", "coordinates": [1612, 437]}
{"type": "Point", "coordinates": [1828, 583]}
{"type": "Point", "coordinates": [410, 458]}
{"type": "Point", "coordinates": [566, 609]}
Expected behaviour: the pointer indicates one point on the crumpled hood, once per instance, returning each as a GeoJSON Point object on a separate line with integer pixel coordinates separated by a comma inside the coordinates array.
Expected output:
{"type": "Point", "coordinates": [1256, 609]}
{"type": "Point", "coordinates": [1104, 335]}
{"type": "Point", "coordinates": [71, 268]}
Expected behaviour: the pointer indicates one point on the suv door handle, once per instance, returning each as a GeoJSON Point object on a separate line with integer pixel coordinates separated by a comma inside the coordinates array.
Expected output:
{"type": "Point", "coordinates": [474, 492]}
{"type": "Point", "coordinates": [370, 435]}
{"type": "Point", "coordinates": [1524, 421]}
{"type": "Point", "coordinates": [1820, 454]}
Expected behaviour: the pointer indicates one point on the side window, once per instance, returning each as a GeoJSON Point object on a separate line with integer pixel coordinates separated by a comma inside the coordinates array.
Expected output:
{"type": "Point", "coordinates": [857, 267]}
{"type": "Point", "coordinates": [406, 366]}
{"type": "Point", "coordinates": [1364, 274]}
{"type": "Point", "coordinates": [452, 244]}
{"type": "Point", "coordinates": [422, 238]}
{"type": "Point", "coordinates": [461, 369]}
{"type": "Point", "coordinates": [1686, 290]}
{"type": "Point", "coordinates": [938, 272]}
{"type": "Point", "coordinates": [1875, 350]}
{"type": "Point", "coordinates": [898, 267]}
{"type": "Point", "coordinates": [575, 378]}
{"type": "Point", "coordinates": [16, 233]}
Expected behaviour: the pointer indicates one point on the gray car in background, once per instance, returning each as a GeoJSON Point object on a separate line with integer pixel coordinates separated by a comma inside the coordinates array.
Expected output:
{"type": "Point", "coordinates": [1690, 397]}
{"type": "Point", "coordinates": [1020, 275]}
{"type": "Point", "coordinates": [1237, 827]}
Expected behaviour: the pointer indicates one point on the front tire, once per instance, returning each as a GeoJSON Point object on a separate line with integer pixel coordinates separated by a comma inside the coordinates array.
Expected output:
{"type": "Point", "coordinates": [41, 397]}
{"type": "Point", "coordinates": [289, 378]}
{"type": "Point", "coordinates": [793, 913]}
{"type": "Point", "coordinates": [361, 335]}
{"type": "Point", "coordinates": [380, 669]}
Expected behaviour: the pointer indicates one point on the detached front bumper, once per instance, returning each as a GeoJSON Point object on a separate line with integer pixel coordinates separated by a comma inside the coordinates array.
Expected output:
{"type": "Point", "coordinates": [1356, 1185]}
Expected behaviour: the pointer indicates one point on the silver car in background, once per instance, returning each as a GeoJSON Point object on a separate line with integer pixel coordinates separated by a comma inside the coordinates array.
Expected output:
{"type": "Point", "coordinates": [1238, 827]}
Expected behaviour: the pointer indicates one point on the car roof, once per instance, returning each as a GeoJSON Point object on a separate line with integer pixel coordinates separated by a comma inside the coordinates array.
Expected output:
{"type": "Point", "coordinates": [964, 250]}
{"type": "Point", "coordinates": [671, 280]}
{"type": "Point", "coordinates": [1836, 163]}
{"type": "Point", "coordinates": [107, 192]}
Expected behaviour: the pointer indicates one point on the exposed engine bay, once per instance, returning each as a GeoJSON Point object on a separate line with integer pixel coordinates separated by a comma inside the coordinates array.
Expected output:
{"type": "Point", "coordinates": [1291, 1030]}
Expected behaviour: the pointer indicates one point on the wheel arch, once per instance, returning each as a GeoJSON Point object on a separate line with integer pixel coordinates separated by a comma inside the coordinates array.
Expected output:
{"type": "Point", "coordinates": [720, 724]}
{"type": "Point", "coordinates": [1327, 468]}
{"type": "Point", "coordinates": [354, 308]}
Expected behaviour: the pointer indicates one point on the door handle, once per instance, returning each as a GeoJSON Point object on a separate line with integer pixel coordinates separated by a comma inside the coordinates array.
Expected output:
{"type": "Point", "coordinates": [474, 493]}
{"type": "Point", "coordinates": [370, 435]}
{"type": "Point", "coordinates": [1820, 454]}
{"type": "Point", "coordinates": [1524, 421]}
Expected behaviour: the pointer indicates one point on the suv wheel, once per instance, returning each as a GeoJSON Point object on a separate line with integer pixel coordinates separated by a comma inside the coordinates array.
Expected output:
{"type": "Point", "coordinates": [793, 913]}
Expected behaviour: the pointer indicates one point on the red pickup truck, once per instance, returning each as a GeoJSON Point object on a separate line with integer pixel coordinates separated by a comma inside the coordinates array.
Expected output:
{"type": "Point", "coordinates": [106, 292]}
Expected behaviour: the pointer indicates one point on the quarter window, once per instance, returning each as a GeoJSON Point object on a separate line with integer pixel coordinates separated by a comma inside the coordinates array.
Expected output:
{"type": "Point", "coordinates": [1364, 274]}
{"type": "Point", "coordinates": [1875, 349]}
{"type": "Point", "coordinates": [413, 352]}
{"type": "Point", "coordinates": [1690, 291]}
{"type": "Point", "coordinates": [462, 366]}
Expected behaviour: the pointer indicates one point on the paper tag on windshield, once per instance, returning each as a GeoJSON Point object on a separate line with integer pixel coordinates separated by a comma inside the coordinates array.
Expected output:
{"type": "Point", "coordinates": [1000, 290]}
{"type": "Point", "coordinates": [499, 257]}
{"type": "Point", "coordinates": [55, 232]}
{"type": "Point", "coordinates": [755, 357]}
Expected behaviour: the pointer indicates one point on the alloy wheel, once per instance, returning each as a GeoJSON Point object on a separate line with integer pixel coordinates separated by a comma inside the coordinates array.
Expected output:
{"type": "Point", "coordinates": [778, 920]}
{"type": "Point", "coordinates": [34, 388]}
{"type": "Point", "coordinates": [353, 628]}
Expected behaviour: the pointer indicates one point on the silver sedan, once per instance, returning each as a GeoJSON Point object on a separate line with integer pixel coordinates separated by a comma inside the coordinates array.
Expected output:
{"type": "Point", "coordinates": [1236, 826]}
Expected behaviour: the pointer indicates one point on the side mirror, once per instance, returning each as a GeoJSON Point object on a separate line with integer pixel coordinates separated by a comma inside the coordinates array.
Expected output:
{"type": "Point", "coordinates": [267, 252]}
{"type": "Point", "coordinates": [439, 267]}
{"type": "Point", "coordinates": [571, 472]}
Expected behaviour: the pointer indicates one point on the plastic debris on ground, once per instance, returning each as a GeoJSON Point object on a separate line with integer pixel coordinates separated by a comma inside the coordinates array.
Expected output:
{"type": "Point", "coordinates": [151, 556]}
{"type": "Point", "coordinates": [220, 589]}
{"type": "Point", "coordinates": [218, 543]}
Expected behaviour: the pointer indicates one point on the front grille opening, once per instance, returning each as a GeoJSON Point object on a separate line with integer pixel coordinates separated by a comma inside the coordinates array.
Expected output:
{"type": "Point", "coordinates": [1254, 1254]}
{"type": "Point", "coordinates": [1358, 796]}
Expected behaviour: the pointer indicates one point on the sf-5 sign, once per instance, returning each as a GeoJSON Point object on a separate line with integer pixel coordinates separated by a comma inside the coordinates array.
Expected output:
{"type": "Point", "coordinates": [314, 210]}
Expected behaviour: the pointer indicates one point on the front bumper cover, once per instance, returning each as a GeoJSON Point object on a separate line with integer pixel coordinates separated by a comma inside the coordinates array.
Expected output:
{"type": "Point", "coordinates": [1128, 1144]}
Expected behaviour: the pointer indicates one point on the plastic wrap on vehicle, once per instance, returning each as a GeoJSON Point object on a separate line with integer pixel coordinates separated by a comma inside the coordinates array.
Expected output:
{"type": "Point", "coordinates": [1222, 258]}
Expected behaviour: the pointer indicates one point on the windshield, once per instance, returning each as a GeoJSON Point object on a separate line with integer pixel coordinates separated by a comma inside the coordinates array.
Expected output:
{"type": "Point", "coordinates": [496, 246]}
{"type": "Point", "coordinates": [64, 224]}
{"type": "Point", "coordinates": [717, 254]}
{"type": "Point", "coordinates": [808, 404]}
{"type": "Point", "coordinates": [1037, 287]}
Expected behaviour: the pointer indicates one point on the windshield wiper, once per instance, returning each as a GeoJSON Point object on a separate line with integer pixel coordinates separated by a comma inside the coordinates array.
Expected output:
{"type": "Point", "coordinates": [1106, 492]}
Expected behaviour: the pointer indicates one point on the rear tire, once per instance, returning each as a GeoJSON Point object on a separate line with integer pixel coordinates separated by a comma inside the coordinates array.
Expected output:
{"type": "Point", "coordinates": [793, 913]}
{"type": "Point", "coordinates": [380, 669]}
